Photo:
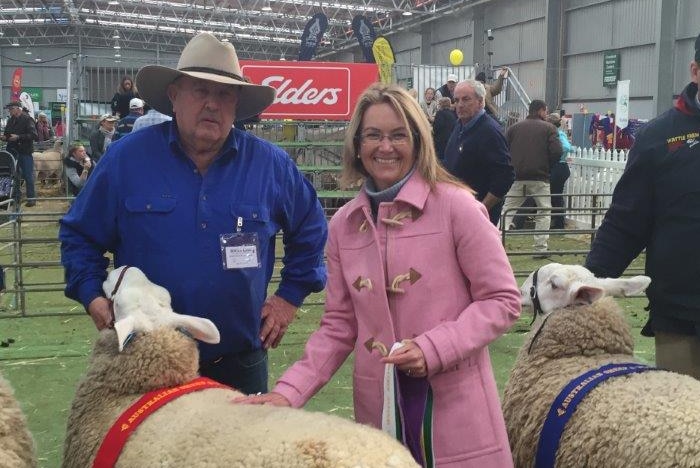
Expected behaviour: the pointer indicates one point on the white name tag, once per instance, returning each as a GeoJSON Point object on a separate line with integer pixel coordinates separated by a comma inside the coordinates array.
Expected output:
{"type": "Point", "coordinates": [240, 250]}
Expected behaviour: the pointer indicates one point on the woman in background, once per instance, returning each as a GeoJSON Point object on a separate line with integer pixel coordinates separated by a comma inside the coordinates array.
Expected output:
{"type": "Point", "coordinates": [125, 93]}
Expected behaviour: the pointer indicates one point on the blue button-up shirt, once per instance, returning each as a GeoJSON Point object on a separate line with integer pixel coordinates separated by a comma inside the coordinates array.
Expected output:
{"type": "Point", "coordinates": [147, 203]}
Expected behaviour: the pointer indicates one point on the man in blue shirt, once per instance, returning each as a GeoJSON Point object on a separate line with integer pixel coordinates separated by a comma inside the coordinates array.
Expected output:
{"type": "Point", "coordinates": [126, 123]}
{"type": "Point", "coordinates": [196, 205]}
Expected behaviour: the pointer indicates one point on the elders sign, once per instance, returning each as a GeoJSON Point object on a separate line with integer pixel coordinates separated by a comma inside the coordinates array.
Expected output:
{"type": "Point", "coordinates": [312, 90]}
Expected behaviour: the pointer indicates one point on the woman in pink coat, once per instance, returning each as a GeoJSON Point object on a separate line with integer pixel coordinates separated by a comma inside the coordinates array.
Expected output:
{"type": "Point", "coordinates": [412, 261]}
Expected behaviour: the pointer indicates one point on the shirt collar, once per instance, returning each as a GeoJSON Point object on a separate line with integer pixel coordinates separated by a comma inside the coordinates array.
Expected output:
{"type": "Point", "coordinates": [471, 122]}
{"type": "Point", "coordinates": [228, 150]}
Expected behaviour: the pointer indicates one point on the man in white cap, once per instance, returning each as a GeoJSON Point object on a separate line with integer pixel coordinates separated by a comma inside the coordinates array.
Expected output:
{"type": "Point", "coordinates": [101, 137]}
{"type": "Point", "coordinates": [126, 123]}
{"type": "Point", "coordinates": [448, 89]}
{"type": "Point", "coordinates": [196, 205]}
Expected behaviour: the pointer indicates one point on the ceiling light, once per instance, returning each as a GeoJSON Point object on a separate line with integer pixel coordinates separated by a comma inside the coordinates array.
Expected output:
{"type": "Point", "coordinates": [15, 43]}
{"type": "Point", "coordinates": [2, 33]}
{"type": "Point", "coordinates": [113, 2]}
{"type": "Point", "coordinates": [266, 6]}
{"type": "Point", "coordinates": [117, 46]}
{"type": "Point", "coordinates": [407, 12]}
{"type": "Point", "coordinates": [117, 55]}
{"type": "Point", "coordinates": [115, 35]}
{"type": "Point", "coordinates": [225, 39]}
{"type": "Point", "coordinates": [117, 61]}
{"type": "Point", "coordinates": [27, 52]}
{"type": "Point", "coordinates": [37, 59]}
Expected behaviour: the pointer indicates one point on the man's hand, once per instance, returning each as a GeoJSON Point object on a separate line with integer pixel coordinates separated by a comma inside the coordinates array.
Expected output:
{"type": "Point", "coordinates": [100, 310]}
{"type": "Point", "coordinates": [277, 314]}
{"type": "Point", "coordinates": [13, 137]}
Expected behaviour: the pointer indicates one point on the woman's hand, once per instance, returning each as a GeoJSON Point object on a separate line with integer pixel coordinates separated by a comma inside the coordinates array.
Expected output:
{"type": "Point", "coordinates": [409, 359]}
{"type": "Point", "coordinates": [272, 398]}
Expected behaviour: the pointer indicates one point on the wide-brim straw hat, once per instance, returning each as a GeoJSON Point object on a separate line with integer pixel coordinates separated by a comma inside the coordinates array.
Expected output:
{"type": "Point", "coordinates": [206, 58]}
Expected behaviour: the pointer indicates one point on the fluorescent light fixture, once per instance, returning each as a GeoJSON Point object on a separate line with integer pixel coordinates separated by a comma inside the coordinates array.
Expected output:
{"type": "Point", "coordinates": [117, 55]}
{"type": "Point", "coordinates": [15, 43]}
{"type": "Point", "coordinates": [113, 2]}
{"type": "Point", "coordinates": [27, 52]}
{"type": "Point", "coordinates": [37, 59]}
{"type": "Point", "coordinates": [266, 6]}
{"type": "Point", "coordinates": [117, 46]}
{"type": "Point", "coordinates": [115, 35]}
{"type": "Point", "coordinates": [407, 12]}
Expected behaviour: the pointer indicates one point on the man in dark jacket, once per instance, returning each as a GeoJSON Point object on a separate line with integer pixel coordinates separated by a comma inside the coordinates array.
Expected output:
{"type": "Point", "coordinates": [477, 152]}
{"type": "Point", "coordinates": [656, 205]}
{"type": "Point", "coordinates": [534, 147]}
{"type": "Point", "coordinates": [447, 90]}
{"type": "Point", "coordinates": [20, 133]}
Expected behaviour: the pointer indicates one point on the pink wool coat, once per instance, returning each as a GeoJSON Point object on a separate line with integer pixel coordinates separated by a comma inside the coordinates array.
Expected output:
{"type": "Point", "coordinates": [452, 291]}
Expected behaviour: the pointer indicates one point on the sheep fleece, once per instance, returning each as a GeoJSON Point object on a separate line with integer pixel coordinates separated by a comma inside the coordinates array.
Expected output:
{"type": "Point", "coordinates": [204, 428]}
{"type": "Point", "coordinates": [16, 445]}
{"type": "Point", "coordinates": [651, 419]}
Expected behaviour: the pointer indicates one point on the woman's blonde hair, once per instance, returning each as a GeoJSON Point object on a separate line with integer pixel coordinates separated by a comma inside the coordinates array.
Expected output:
{"type": "Point", "coordinates": [414, 119]}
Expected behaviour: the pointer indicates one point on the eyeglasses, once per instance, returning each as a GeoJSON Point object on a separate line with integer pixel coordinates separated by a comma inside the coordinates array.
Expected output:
{"type": "Point", "coordinates": [375, 138]}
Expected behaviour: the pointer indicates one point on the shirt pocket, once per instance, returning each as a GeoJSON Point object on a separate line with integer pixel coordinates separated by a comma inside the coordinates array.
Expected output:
{"type": "Point", "coordinates": [150, 221]}
{"type": "Point", "coordinates": [253, 218]}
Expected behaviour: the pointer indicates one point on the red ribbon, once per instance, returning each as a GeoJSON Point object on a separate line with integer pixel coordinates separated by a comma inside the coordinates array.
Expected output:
{"type": "Point", "coordinates": [113, 443]}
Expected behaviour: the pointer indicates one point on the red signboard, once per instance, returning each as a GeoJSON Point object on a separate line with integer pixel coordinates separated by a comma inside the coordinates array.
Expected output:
{"type": "Point", "coordinates": [312, 90]}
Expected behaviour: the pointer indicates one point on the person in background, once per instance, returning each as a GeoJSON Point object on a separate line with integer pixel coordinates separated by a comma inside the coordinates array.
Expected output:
{"type": "Point", "coordinates": [44, 131]}
{"type": "Point", "coordinates": [152, 117]}
{"type": "Point", "coordinates": [492, 90]}
{"type": "Point", "coordinates": [429, 104]}
{"type": "Point", "coordinates": [126, 124]}
{"type": "Point", "coordinates": [121, 99]}
{"type": "Point", "coordinates": [20, 134]}
{"type": "Point", "coordinates": [477, 152]}
{"type": "Point", "coordinates": [447, 90]}
{"type": "Point", "coordinates": [101, 137]}
{"type": "Point", "coordinates": [558, 175]}
{"type": "Point", "coordinates": [655, 206]}
{"type": "Point", "coordinates": [78, 167]}
{"type": "Point", "coordinates": [197, 206]}
{"type": "Point", "coordinates": [445, 119]}
{"type": "Point", "coordinates": [432, 297]}
{"type": "Point", "coordinates": [534, 147]}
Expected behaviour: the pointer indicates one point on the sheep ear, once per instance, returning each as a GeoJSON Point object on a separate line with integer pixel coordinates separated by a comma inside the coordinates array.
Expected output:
{"type": "Point", "coordinates": [617, 287]}
{"type": "Point", "coordinates": [124, 329]}
{"type": "Point", "coordinates": [200, 328]}
{"type": "Point", "coordinates": [586, 294]}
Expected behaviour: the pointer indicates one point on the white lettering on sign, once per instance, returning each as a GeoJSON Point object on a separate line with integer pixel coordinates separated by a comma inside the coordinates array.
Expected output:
{"type": "Point", "coordinates": [304, 94]}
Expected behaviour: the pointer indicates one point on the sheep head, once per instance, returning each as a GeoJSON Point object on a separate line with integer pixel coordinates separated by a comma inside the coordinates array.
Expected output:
{"type": "Point", "coordinates": [559, 286]}
{"type": "Point", "coordinates": [572, 314]}
{"type": "Point", "coordinates": [142, 306]}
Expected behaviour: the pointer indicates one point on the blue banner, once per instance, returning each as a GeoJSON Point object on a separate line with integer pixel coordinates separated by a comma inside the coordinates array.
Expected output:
{"type": "Point", "coordinates": [364, 32]}
{"type": "Point", "coordinates": [311, 37]}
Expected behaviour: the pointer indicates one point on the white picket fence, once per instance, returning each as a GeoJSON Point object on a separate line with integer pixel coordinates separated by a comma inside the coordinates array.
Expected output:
{"type": "Point", "coordinates": [594, 173]}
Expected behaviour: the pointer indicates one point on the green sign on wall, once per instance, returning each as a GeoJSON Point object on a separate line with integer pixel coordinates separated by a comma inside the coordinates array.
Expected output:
{"type": "Point", "coordinates": [611, 69]}
{"type": "Point", "coordinates": [35, 93]}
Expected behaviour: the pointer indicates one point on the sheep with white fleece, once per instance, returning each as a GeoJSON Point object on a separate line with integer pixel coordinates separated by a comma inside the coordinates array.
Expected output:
{"type": "Point", "coordinates": [16, 444]}
{"type": "Point", "coordinates": [145, 352]}
{"type": "Point", "coordinates": [644, 419]}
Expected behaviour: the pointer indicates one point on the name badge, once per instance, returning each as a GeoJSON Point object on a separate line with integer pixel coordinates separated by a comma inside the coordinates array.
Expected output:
{"type": "Point", "coordinates": [240, 250]}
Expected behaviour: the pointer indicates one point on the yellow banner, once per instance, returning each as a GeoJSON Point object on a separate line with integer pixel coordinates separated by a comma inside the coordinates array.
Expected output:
{"type": "Point", "coordinates": [384, 56]}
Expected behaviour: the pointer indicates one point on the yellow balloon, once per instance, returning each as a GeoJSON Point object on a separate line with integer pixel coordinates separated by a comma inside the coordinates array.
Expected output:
{"type": "Point", "coordinates": [456, 57]}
